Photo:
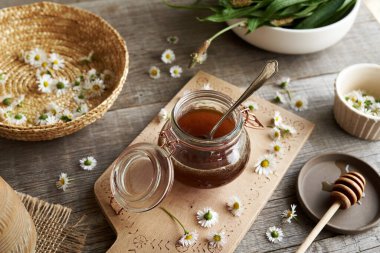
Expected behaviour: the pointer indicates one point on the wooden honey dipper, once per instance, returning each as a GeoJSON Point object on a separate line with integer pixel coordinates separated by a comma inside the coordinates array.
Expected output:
{"type": "Point", "coordinates": [347, 191]}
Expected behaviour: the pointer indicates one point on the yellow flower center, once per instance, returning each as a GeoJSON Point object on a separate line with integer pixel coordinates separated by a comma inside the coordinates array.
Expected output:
{"type": "Point", "coordinates": [276, 134]}
{"type": "Point", "coordinates": [276, 148]}
{"type": "Point", "coordinates": [167, 56]}
{"type": "Point", "coordinates": [289, 214]}
{"type": "Point", "coordinates": [154, 72]}
{"type": "Point", "coordinates": [265, 163]}
{"type": "Point", "coordinates": [44, 64]}
{"type": "Point", "coordinates": [96, 87]}
{"type": "Point", "coordinates": [55, 62]}
{"type": "Point", "coordinates": [46, 84]}
{"type": "Point", "coordinates": [217, 238]}
{"type": "Point", "coordinates": [62, 181]}
{"type": "Point", "coordinates": [236, 205]}
{"type": "Point", "coordinates": [299, 104]}
{"type": "Point", "coordinates": [37, 57]}
{"type": "Point", "coordinates": [276, 119]}
{"type": "Point", "coordinates": [189, 237]}
{"type": "Point", "coordinates": [175, 71]}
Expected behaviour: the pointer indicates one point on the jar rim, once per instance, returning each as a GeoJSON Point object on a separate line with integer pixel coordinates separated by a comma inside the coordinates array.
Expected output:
{"type": "Point", "coordinates": [218, 97]}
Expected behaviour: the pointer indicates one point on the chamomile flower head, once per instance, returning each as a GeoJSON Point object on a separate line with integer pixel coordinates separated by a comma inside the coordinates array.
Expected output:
{"type": "Point", "coordinates": [154, 72]}
{"type": "Point", "coordinates": [6, 100]}
{"type": "Point", "coordinates": [5, 113]}
{"type": "Point", "coordinates": [81, 109]}
{"type": "Point", "coordinates": [175, 71]}
{"type": "Point", "coordinates": [163, 115]}
{"type": "Point", "coordinates": [24, 56]}
{"type": "Point", "coordinates": [53, 108]}
{"type": "Point", "coordinates": [188, 239]}
{"type": "Point", "coordinates": [66, 116]}
{"type": "Point", "coordinates": [206, 86]}
{"type": "Point", "coordinates": [280, 98]}
{"type": "Point", "coordinates": [289, 214]}
{"type": "Point", "coordinates": [96, 87]}
{"type": "Point", "coordinates": [56, 61]}
{"type": "Point", "coordinates": [18, 101]}
{"type": "Point", "coordinates": [235, 206]}
{"type": "Point", "coordinates": [172, 39]}
{"type": "Point", "coordinates": [46, 83]}
{"type": "Point", "coordinates": [265, 165]}
{"type": "Point", "coordinates": [277, 118]}
{"type": "Point", "coordinates": [80, 97]}
{"type": "Point", "coordinates": [284, 82]}
{"type": "Point", "coordinates": [299, 103]}
{"type": "Point", "coordinates": [207, 217]}
{"type": "Point", "coordinates": [251, 105]}
{"type": "Point", "coordinates": [62, 85]}
{"type": "Point", "coordinates": [37, 57]}
{"type": "Point", "coordinates": [3, 77]}
{"type": "Point", "coordinates": [63, 182]}
{"type": "Point", "coordinates": [88, 163]}
{"type": "Point", "coordinates": [91, 75]}
{"type": "Point", "coordinates": [46, 119]}
{"type": "Point", "coordinates": [16, 119]}
{"type": "Point", "coordinates": [274, 234]}
{"type": "Point", "coordinates": [217, 239]}
{"type": "Point", "coordinates": [168, 56]}
{"type": "Point", "coordinates": [277, 148]}
{"type": "Point", "coordinates": [287, 130]}
{"type": "Point", "coordinates": [275, 133]}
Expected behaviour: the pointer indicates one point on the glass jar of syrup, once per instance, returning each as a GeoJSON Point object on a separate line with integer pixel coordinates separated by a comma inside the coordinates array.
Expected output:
{"type": "Point", "coordinates": [144, 173]}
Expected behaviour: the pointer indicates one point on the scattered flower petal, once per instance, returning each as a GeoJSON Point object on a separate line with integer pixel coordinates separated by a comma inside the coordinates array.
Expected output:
{"type": "Point", "coordinates": [207, 217]}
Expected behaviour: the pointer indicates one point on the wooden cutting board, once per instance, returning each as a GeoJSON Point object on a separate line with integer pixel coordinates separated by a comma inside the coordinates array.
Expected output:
{"type": "Point", "coordinates": [155, 231]}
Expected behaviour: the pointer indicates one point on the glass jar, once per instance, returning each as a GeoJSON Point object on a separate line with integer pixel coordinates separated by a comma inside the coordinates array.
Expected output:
{"type": "Point", "coordinates": [144, 173]}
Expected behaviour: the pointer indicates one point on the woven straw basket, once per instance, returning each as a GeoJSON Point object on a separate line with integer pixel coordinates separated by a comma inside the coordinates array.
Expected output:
{"type": "Point", "coordinates": [72, 33]}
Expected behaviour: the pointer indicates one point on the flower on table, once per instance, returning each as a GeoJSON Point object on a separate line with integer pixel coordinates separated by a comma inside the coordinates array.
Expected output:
{"type": "Point", "coordinates": [61, 86]}
{"type": "Point", "coordinates": [56, 61]}
{"type": "Point", "coordinates": [37, 57]}
{"type": "Point", "coordinates": [176, 71]}
{"type": "Point", "coordinates": [16, 119]}
{"type": "Point", "coordinates": [46, 119]}
{"type": "Point", "coordinates": [154, 72]}
{"type": "Point", "coordinates": [3, 77]}
{"type": "Point", "coordinates": [172, 39]}
{"type": "Point", "coordinates": [88, 163]}
{"type": "Point", "coordinates": [206, 86]}
{"type": "Point", "coordinates": [217, 239]}
{"type": "Point", "coordinates": [299, 103]}
{"type": "Point", "coordinates": [289, 214]}
{"type": "Point", "coordinates": [275, 133]}
{"type": "Point", "coordinates": [277, 118]}
{"type": "Point", "coordinates": [45, 83]}
{"type": "Point", "coordinates": [251, 105]}
{"type": "Point", "coordinates": [63, 182]}
{"type": "Point", "coordinates": [277, 148]}
{"type": "Point", "coordinates": [280, 98]}
{"type": "Point", "coordinates": [207, 217]}
{"type": "Point", "coordinates": [163, 115]}
{"type": "Point", "coordinates": [168, 56]}
{"type": "Point", "coordinates": [235, 206]}
{"type": "Point", "coordinates": [284, 82]}
{"type": "Point", "coordinates": [275, 234]}
{"type": "Point", "coordinates": [265, 165]}
{"type": "Point", "coordinates": [188, 238]}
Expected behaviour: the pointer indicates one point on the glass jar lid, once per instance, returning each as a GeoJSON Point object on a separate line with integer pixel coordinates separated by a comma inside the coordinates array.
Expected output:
{"type": "Point", "coordinates": [141, 177]}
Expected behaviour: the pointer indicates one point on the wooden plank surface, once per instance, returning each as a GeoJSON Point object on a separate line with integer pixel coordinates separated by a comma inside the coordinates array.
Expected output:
{"type": "Point", "coordinates": [33, 168]}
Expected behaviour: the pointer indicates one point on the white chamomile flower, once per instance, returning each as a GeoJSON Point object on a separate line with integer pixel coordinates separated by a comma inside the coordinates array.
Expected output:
{"type": "Point", "coordinates": [265, 165]}
{"type": "Point", "coordinates": [206, 86]}
{"type": "Point", "coordinates": [3, 77]}
{"type": "Point", "coordinates": [62, 85]}
{"type": "Point", "coordinates": [280, 98]}
{"type": "Point", "coordinates": [53, 108]}
{"type": "Point", "coordinates": [88, 163]}
{"type": "Point", "coordinates": [217, 239]}
{"type": "Point", "coordinates": [6, 100]}
{"type": "Point", "coordinates": [275, 234]}
{"type": "Point", "coordinates": [287, 130]}
{"type": "Point", "coordinates": [175, 71]}
{"type": "Point", "coordinates": [37, 57]}
{"type": "Point", "coordinates": [66, 116]}
{"type": "Point", "coordinates": [56, 61]}
{"type": "Point", "coordinates": [24, 56]}
{"type": "Point", "coordinates": [5, 113]}
{"type": "Point", "coordinates": [251, 105]}
{"type": "Point", "coordinates": [45, 83]}
{"type": "Point", "coordinates": [277, 118]}
{"type": "Point", "coordinates": [63, 181]}
{"type": "Point", "coordinates": [17, 102]}
{"type": "Point", "coordinates": [163, 115]}
{"type": "Point", "coordinates": [188, 239]}
{"type": "Point", "coordinates": [299, 103]}
{"type": "Point", "coordinates": [284, 82]}
{"type": "Point", "coordinates": [81, 109]}
{"type": "Point", "coordinates": [96, 87]}
{"type": "Point", "coordinates": [16, 119]}
{"type": "Point", "coordinates": [275, 133]}
{"type": "Point", "coordinates": [289, 214]}
{"type": "Point", "coordinates": [277, 148]}
{"type": "Point", "coordinates": [235, 206]}
{"type": "Point", "coordinates": [91, 75]}
{"type": "Point", "coordinates": [46, 119]}
{"type": "Point", "coordinates": [154, 72]}
{"type": "Point", "coordinates": [168, 56]}
{"type": "Point", "coordinates": [172, 39]}
{"type": "Point", "coordinates": [375, 109]}
{"type": "Point", "coordinates": [80, 98]}
{"type": "Point", "coordinates": [78, 84]}
{"type": "Point", "coordinates": [207, 217]}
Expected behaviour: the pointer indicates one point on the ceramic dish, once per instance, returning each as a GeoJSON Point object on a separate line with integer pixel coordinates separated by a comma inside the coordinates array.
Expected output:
{"type": "Point", "coordinates": [364, 77]}
{"type": "Point", "coordinates": [297, 41]}
{"type": "Point", "coordinates": [315, 200]}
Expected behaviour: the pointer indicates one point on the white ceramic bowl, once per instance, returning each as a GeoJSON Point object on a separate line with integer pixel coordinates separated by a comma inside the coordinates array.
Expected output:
{"type": "Point", "coordinates": [364, 77]}
{"type": "Point", "coordinates": [298, 41]}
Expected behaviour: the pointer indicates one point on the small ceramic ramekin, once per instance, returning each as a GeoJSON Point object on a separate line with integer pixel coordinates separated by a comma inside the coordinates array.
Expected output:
{"type": "Point", "coordinates": [364, 77]}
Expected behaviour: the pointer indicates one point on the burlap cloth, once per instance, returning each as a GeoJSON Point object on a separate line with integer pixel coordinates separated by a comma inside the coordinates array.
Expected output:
{"type": "Point", "coordinates": [55, 230]}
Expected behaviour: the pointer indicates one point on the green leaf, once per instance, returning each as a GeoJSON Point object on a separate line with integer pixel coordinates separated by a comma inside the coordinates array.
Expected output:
{"type": "Point", "coordinates": [321, 15]}
{"type": "Point", "coordinates": [278, 5]}
{"type": "Point", "coordinates": [341, 13]}
{"type": "Point", "coordinates": [253, 24]}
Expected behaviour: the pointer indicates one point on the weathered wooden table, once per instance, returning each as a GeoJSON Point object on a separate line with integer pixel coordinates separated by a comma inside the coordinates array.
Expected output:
{"type": "Point", "coordinates": [33, 168]}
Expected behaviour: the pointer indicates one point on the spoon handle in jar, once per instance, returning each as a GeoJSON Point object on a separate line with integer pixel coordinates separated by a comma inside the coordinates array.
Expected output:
{"type": "Point", "coordinates": [270, 68]}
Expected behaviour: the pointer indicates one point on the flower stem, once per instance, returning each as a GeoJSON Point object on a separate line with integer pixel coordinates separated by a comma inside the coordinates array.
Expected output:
{"type": "Point", "coordinates": [174, 218]}
{"type": "Point", "coordinates": [289, 94]}
{"type": "Point", "coordinates": [227, 29]}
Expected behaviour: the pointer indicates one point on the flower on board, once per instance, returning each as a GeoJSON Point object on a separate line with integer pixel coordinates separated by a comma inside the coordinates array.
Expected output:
{"type": "Point", "coordinates": [275, 133]}
{"type": "Point", "coordinates": [275, 234]}
{"type": "Point", "coordinates": [277, 118]}
{"type": "Point", "coordinates": [235, 206]}
{"type": "Point", "coordinates": [63, 181]}
{"type": "Point", "coordinates": [88, 163]}
{"type": "Point", "coordinates": [207, 217]}
{"type": "Point", "coordinates": [217, 239]}
{"type": "Point", "coordinates": [251, 105]}
{"type": "Point", "coordinates": [277, 148]}
{"type": "Point", "coordinates": [188, 238]}
{"type": "Point", "coordinates": [265, 165]}
{"type": "Point", "coordinates": [168, 56]}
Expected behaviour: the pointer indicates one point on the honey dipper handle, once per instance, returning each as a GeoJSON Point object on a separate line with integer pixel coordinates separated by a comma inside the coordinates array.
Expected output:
{"type": "Point", "coordinates": [318, 228]}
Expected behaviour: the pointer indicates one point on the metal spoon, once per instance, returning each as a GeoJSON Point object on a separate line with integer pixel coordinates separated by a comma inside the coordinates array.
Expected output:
{"type": "Point", "coordinates": [270, 68]}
